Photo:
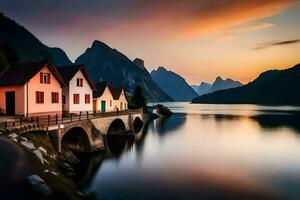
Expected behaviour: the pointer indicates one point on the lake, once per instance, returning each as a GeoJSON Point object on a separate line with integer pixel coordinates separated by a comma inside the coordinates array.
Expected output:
{"type": "Point", "coordinates": [202, 152]}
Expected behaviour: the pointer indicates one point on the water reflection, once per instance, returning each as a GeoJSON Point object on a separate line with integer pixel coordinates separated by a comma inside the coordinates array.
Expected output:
{"type": "Point", "coordinates": [221, 152]}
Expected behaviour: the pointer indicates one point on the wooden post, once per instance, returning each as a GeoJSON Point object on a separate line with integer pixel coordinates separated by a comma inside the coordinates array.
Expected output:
{"type": "Point", "coordinates": [48, 120]}
{"type": "Point", "coordinates": [79, 115]}
{"type": "Point", "coordinates": [56, 119]}
{"type": "Point", "coordinates": [21, 122]}
{"type": "Point", "coordinates": [87, 114]}
{"type": "Point", "coordinates": [37, 121]}
{"type": "Point", "coordinates": [31, 119]}
{"type": "Point", "coordinates": [71, 117]}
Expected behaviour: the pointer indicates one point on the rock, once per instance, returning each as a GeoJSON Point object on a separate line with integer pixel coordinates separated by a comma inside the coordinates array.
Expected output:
{"type": "Point", "coordinates": [13, 135]}
{"type": "Point", "coordinates": [54, 173]}
{"type": "Point", "coordinates": [28, 145]}
{"type": "Point", "coordinates": [24, 139]}
{"type": "Point", "coordinates": [42, 150]}
{"type": "Point", "coordinates": [1, 132]}
{"type": "Point", "coordinates": [39, 185]}
{"type": "Point", "coordinates": [65, 165]}
{"type": "Point", "coordinates": [14, 139]}
{"type": "Point", "coordinates": [70, 174]}
{"type": "Point", "coordinates": [39, 155]}
{"type": "Point", "coordinates": [71, 158]}
{"type": "Point", "coordinates": [46, 171]}
{"type": "Point", "coordinates": [80, 194]}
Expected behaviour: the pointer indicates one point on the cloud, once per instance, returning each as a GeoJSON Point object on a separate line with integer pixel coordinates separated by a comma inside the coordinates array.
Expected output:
{"type": "Point", "coordinates": [276, 43]}
{"type": "Point", "coordinates": [185, 18]}
{"type": "Point", "coordinates": [251, 28]}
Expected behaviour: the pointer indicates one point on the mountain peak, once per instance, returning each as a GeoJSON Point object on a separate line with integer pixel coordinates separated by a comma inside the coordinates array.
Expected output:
{"type": "Point", "coordinates": [140, 63]}
{"type": "Point", "coordinates": [99, 44]}
{"type": "Point", "coordinates": [161, 68]}
{"type": "Point", "coordinates": [219, 78]}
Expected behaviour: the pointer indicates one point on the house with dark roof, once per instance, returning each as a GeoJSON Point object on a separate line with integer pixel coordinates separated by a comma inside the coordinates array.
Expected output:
{"type": "Point", "coordinates": [103, 99]}
{"type": "Point", "coordinates": [30, 89]}
{"type": "Point", "coordinates": [120, 101]}
{"type": "Point", "coordinates": [77, 95]}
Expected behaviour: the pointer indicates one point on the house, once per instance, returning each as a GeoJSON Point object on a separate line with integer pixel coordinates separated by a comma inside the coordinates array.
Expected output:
{"type": "Point", "coordinates": [30, 89]}
{"type": "Point", "coordinates": [120, 102]}
{"type": "Point", "coordinates": [77, 95]}
{"type": "Point", "coordinates": [103, 99]}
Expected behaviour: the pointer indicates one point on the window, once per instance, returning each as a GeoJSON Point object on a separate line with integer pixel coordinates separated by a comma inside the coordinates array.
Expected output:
{"type": "Point", "coordinates": [79, 82]}
{"type": "Point", "coordinates": [121, 105]}
{"type": "Point", "coordinates": [87, 99]}
{"type": "Point", "coordinates": [54, 97]}
{"type": "Point", "coordinates": [64, 99]}
{"type": "Point", "coordinates": [45, 77]}
{"type": "Point", "coordinates": [39, 97]}
{"type": "Point", "coordinates": [110, 103]}
{"type": "Point", "coordinates": [76, 98]}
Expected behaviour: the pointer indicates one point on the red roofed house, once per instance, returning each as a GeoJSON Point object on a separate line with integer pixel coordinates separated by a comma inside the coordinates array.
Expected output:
{"type": "Point", "coordinates": [31, 89]}
{"type": "Point", "coordinates": [78, 92]}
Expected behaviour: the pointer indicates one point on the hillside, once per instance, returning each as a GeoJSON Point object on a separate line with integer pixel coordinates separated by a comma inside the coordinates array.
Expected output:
{"type": "Point", "coordinates": [106, 63]}
{"type": "Point", "coordinates": [173, 84]}
{"type": "Point", "coordinates": [271, 87]}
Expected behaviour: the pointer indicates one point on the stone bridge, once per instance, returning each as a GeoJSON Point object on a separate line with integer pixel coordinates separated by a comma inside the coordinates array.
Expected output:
{"type": "Point", "coordinates": [87, 134]}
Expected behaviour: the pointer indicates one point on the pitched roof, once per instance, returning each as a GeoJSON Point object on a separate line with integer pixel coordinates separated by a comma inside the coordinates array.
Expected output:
{"type": "Point", "coordinates": [69, 71]}
{"type": "Point", "coordinates": [115, 91]}
{"type": "Point", "coordinates": [18, 74]}
{"type": "Point", "coordinates": [100, 88]}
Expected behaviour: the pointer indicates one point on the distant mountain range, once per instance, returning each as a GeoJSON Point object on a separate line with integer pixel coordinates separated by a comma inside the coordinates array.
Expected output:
{"type": "Point", "coordinates": [218, 84]}
{"type": "Point", "coordinates": [173, 84]}
{"type": "Point", "coordinates": [26, 45]}
{"type": "Point", "coordinates": [271, 87]}
{"type": "Point", "coordinates": [106, 63]}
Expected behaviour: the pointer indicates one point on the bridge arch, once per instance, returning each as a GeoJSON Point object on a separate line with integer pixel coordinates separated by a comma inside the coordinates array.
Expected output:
{"type": "Point", "coordinates": [138, 124]}
{"type": "Point", "coordinates": [117, 127]}
{"type": "Point", "coordinates": [76, 139]}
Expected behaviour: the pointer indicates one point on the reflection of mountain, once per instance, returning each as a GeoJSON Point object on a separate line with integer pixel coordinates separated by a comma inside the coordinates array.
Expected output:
{"type": "Point", "coordinates": [169, 124]}
{"type": "Point", "coordinates": [274, 121]}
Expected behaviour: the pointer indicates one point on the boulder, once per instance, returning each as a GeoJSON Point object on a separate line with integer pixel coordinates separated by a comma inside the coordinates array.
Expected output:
{"type": "Point", "coordinates": [28, 145]}
{"type": "Point", "coordinates": [42, 150]}
{"type": "Point", "coordinates": [39, 185]}
{"type": "Point", "coordinates": [12, 135]}
{"type": "Point", "coordinates": [39, 155]}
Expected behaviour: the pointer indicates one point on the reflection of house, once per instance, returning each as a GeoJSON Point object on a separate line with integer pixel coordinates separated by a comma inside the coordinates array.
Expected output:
{"type": "Point", "coordinates": [31, 89]}
{"type": "Point", "coordinates": [120, 101]}
{"type": "Point", "coordinates": [103, 99]}
{"type": "Point", "coordinates": [108, 98]}
{"type": "Point", "coordinates": [78, 93]}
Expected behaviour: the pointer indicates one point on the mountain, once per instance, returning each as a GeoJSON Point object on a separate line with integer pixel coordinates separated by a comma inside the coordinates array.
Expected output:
{"type": "Point", "coordinates": [105, 63]}
{"type": "Point", "coordinates": [271, 87]}
{"type": "Point", "coordinates": [59, 57]}
{"type": "Point", "coordinates": [202, 89]}
{"type": "Point", "coordinates": [24, 43]}
{"type": "Point", "coordinates": [173, 84]}
{"type": "Point", "coordinates": [218, 84]}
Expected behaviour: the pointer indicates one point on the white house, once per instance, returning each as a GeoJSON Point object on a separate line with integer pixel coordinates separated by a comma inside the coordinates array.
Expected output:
{"type": "Point", "coordinates": [120, 102]}
{"type": "Point", "coordinates": [103, 99]}
{"type": "Point", "coordinates": [78, 93]}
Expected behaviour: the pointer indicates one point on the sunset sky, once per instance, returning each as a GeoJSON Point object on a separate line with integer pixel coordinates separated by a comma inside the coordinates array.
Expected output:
{"type": "Point", "coordinates": [198, 39]}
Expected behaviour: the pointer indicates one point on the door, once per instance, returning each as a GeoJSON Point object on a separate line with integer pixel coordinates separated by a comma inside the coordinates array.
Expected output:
{"type": "Point", "coordinates": [10, 103]}
{"type": "Point", "coordinates": [103, 106]}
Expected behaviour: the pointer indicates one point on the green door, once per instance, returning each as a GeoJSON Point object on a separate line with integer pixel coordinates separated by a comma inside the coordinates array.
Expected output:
{"type": "Point", "coordinates": [103, 106]}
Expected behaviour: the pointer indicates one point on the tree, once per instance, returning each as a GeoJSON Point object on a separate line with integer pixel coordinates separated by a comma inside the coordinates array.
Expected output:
{"type": "Point", "coordinates": [138, 100]}
{"type": "Point", "coordinates": [7, 56]}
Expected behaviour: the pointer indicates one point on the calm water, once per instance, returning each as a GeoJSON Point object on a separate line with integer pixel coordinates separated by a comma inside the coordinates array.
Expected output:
{"type": "Point", "coordinates": [203, 152]}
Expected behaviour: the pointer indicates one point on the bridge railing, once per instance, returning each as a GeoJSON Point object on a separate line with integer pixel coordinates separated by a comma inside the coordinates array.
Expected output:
{"type": "Point", "coordinates": [48, 120]}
